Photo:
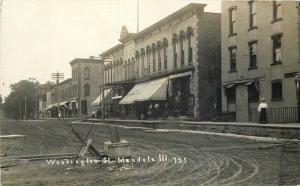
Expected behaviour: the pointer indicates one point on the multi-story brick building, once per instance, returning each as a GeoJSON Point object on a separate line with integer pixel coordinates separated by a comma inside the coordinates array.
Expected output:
{"type": "Point", "coordinates": [170, 68]}
{"type": "Point", "coordinates": [86, 81]}
{"type": "Point", "coordinates": [260, 57]}
{"type": "Point", "coordinates": [75, 95]}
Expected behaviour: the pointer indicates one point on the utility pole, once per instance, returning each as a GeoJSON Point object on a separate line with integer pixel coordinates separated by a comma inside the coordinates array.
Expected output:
{"type": "Point", "coordinates": [137, 16]}
{"type": "Point", "coordinates": [57, 76]}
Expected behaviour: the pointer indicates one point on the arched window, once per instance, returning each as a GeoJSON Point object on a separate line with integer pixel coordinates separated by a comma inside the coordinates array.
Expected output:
{"type": "Point", "coordinates": [159, 46]}
{"type": "Point", "coordinates": [153, 57]}
{"type": "Point", "coordinates": [143, 60]}
{"type": "Point", "coordinates": [189, 34]}
{"type": "Point", "coordinates": [148, 53]}
{"type": "Point", "coordinates": [137, 63]}
{"type": "Point", "coordinates": [86, 73]}
{"type": "Point", "coordinates": [181, 40]}
{"type": "Point", "coordinates": [87, 89]}
{"type": "Point", "coordinates": [174, 42]}
{"type": "Point", "coordinates": [165, 46]}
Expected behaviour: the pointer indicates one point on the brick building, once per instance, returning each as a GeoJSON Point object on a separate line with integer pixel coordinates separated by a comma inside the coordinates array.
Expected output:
{"type": "Point", "coordinates": [75, 95]}
{"type": "Point", "coordinates": [171, 68]}
{"type": "Point", "coordinates": [260, 58]}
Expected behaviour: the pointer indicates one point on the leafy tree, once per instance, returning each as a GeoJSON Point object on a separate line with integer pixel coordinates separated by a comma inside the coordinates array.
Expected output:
{"type": "Point", "coordinates": [24, 89]}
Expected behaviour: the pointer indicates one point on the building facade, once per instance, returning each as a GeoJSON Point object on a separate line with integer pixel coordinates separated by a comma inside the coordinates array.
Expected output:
{"type": "Point", "coordinates": [260, 58]}
{"type": "Point", "coordinates": [170, 69]}
{"type": "Point", "coordinates": [86, 81]}
{"type": "Point", "coordinates": [73, 97]}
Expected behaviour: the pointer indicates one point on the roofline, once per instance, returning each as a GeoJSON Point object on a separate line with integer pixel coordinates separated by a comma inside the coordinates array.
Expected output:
{"type": "Point", "coordinates": [111, 49]}
{"type": "Point", "coordinates": [65, 81]}
{"type": "Point", "coordinates": [84, 60]}
{"type": "Point", "coordinates": [174, 15]}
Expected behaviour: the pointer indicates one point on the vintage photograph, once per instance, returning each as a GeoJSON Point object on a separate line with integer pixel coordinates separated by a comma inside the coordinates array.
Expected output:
{"type": "Point", "coordinates": [150, 92]}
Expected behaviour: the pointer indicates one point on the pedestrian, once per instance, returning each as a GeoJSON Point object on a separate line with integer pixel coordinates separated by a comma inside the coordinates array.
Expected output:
{"type": "Point", "coordinates": [262, 110]}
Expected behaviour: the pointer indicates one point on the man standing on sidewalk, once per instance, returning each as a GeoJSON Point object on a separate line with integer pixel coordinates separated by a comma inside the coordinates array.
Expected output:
{"type": "Point", "coordinates": [262, 110]}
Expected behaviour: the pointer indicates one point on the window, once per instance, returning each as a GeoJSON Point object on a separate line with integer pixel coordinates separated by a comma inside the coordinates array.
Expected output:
{"type": "Point", "coordinates": [276, 11]}
{"type": "Point", "coordinates": [253, 94]}
{"type": "Point", "coordinates": [232, 51]}
{"type": "Point", "coordinates": [165, 45]}
{"type": "Point", "coordinates": [277, 49]}
{"type": "Point", "coordinates": [87, 89]}
{"type": "Point", "coordinates": [174, 42]}
{"type": "Point", "coordinates": [153, 57]}
{"type": "Point", "coordinates": [159, 59]}
{"type": "Point", "coordinates": [230, 93]}
{"type": "Point", "coordinates": [252, 14]}
{"type": "Point", "coordinates": [175, 56]}
{"type": "Point", "coordinates": [86, 73]}
{"type": "Point", "coordinates": [232, 21]}
{"type": "Point", "coordinates": [148, 53]}
{"type": "Point", "coordinates": [181, 53]}
{"type": "Point", "coordinates": [277, 90]}
{"type": "Point", "coordinates": [190, 51]}
{"type": "Point", "coordinates": [181, 40]}
{"type": "Point", "coordinates": [252, 54]}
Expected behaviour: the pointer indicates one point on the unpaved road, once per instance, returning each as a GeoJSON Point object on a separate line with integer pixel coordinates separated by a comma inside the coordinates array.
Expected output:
{"type": "Point", "coordinates": [192, 159]}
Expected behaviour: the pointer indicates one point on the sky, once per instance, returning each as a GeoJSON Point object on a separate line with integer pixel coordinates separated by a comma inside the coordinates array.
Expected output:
{"type": "Point", "coordinates": [39, 37]}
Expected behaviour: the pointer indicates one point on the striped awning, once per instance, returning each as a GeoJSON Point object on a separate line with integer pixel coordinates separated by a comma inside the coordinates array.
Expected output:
{"type": "Point", "coordinates": [98, 100]}
{"type": "Point", "coordinates": [146, 91]}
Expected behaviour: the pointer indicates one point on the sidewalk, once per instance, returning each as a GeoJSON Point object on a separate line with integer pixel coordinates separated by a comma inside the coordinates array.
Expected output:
{"type": "Point", "coordinates": [289, 131]}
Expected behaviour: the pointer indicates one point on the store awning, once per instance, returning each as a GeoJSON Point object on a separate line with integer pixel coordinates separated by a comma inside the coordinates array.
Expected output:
{"type": "Point", "coordinates": [116, 97]}
{"type": "Point", "coordinates": [98, 100]}
{"type": "Point", "coordinates": [64, 103]}
{"type": "Point", "coordinates": [189, 73]}
{"type": "Point", "coordinates": [51, 106]}
{"type": "Point", "coordinates": [146, 91]}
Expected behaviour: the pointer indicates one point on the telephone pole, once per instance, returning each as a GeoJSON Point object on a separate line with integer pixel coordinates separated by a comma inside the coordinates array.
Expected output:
{"type": "Point", "coordinates": [57, 76]}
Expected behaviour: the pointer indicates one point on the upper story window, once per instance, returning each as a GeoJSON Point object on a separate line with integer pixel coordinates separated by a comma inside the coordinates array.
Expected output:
{"type": "Point", "coordinates": [87, 89]}
{"type": "Point", "coordinates": [181, 40]}
{"type": "Point", "coordinates": [277, 11]}
{"type": "Point", "coordinates": [189, 34]}
{"type": "Point", "coordinates": [252, 14]}
{"type": "Point", "coordinates": [277, 49]}
{"type": "Point", "coordinates": [232, 55]}
{"type": "Point", "coordinates": [143, 60]}
{"type": "Point", "coordinates": [276, 90]}
{"type": "Point", "coordinates": [137, 64]}
{"type": "Point", "coordinates": [252, 54]}
{"type": "Point", "coordinates": [165, 46]}
{"type": "Point", "coordinates": [153, 57]}
{"type": "Point", "coordinates": [86, 73]}
{"type": "Point", "coordinates": [148, 53]}
{"type": "Point", "coordinates": [232, 21]}
{"type": "Point", "coordinates": [159, 46]}
{"type": "Point", "coordinates": [174, 42]}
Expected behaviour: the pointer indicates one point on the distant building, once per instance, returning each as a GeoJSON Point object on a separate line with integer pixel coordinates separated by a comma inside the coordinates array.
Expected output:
{"type": "Point", "coordinates": [170, 69]}
{"type": "Point", "coordinates": [260, 58]}
{"type": "Point", "coordinates": [86, 80]}
{"type": "Point", "coordinates": [74, 96]}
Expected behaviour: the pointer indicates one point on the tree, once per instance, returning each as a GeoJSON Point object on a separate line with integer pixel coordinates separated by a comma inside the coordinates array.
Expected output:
{"type": "Point", "coordinates": [15, 101]}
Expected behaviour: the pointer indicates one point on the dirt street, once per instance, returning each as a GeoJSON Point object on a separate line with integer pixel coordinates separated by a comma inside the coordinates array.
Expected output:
{"type": "Point", "coordinates": [158, 158]}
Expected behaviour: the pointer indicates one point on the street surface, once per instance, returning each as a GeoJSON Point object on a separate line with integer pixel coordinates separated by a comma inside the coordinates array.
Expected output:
{"type": "Point", "coordinates": [158, 158]}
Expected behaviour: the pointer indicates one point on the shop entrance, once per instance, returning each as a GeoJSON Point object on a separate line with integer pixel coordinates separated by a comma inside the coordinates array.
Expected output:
{"type": "Point", "coordinates": [180, 96]}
